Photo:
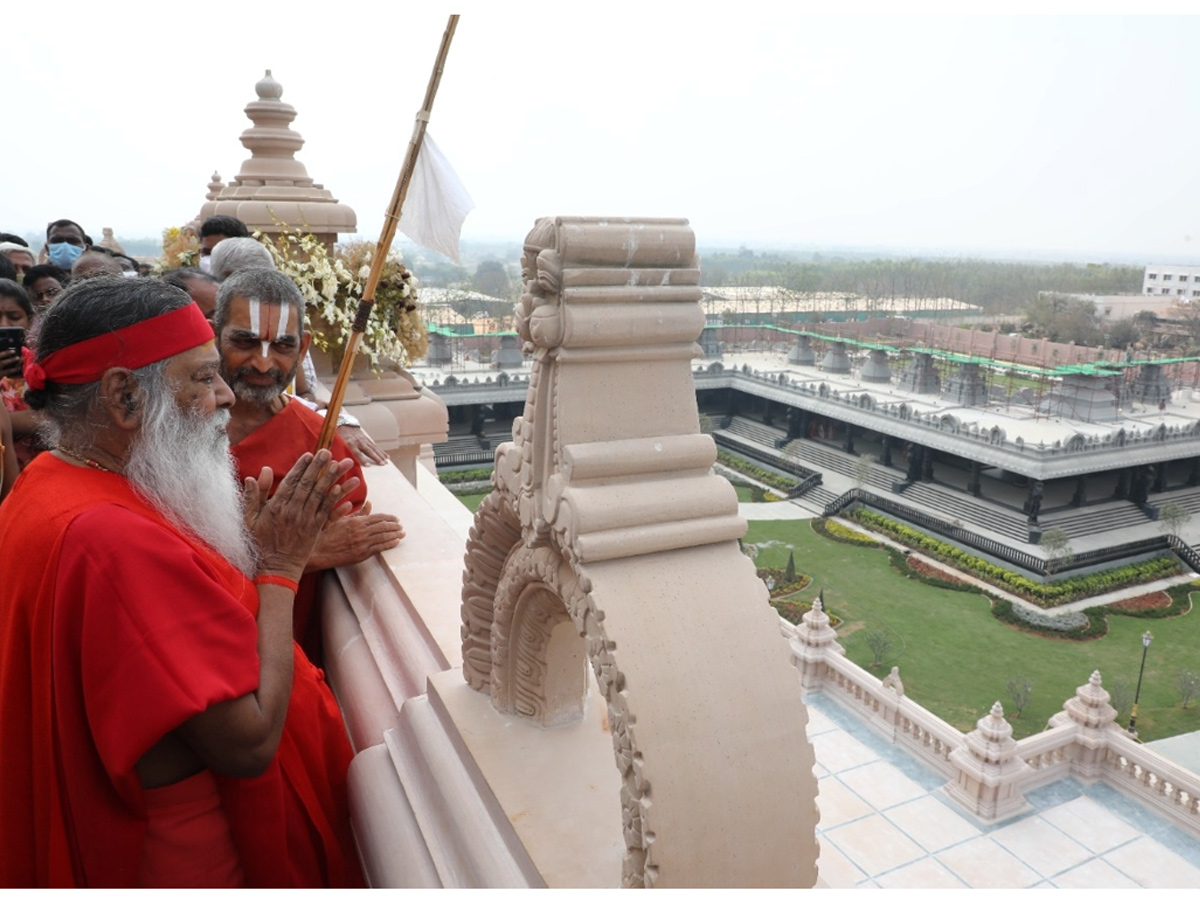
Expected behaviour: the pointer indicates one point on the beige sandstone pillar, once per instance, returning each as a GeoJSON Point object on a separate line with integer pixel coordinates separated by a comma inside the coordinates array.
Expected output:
{"type": "Point", "coordinates": [609, 543]}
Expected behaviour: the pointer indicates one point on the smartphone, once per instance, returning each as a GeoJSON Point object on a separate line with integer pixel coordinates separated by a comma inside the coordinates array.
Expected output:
{"type": "Point", "coordinates": [12, 338]}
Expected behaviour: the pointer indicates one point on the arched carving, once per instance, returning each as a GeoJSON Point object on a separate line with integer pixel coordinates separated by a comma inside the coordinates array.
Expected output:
{"type": "Point", "coordinates": [539, 593]}
{"type": "Point", "coordinates": [537, 671]}
{"type": "Point", "coordinates": [493, 536]}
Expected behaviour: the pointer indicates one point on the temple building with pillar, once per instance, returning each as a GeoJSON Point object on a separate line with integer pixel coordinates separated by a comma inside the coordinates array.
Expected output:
{"type": "Point", "coordinates": [989, 451]}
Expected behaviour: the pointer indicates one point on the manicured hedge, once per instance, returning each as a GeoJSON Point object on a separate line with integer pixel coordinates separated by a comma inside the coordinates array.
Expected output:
{"type": "Point", "coordinates": [780, 482]}
{"type": "Point", "coordinates": [836, 531]}
{"type": "Point", "coordinates": [457, 476]}
{"type": "Point", "coordinates": [1045, 595]}
{"type": "Point", "coordinates": [1097, 622]}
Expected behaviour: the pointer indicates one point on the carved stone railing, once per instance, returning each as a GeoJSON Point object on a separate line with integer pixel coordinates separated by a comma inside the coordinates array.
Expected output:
{"type": "Point", "coordinates": [987, 771]}
{"type": "Point", "coordinates": [1139, 772]}
{"type": "Point", "coordinates": [893, 715]}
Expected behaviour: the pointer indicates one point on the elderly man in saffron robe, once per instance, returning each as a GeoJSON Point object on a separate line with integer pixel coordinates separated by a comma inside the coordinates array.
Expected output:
{"type": "Point", "coordinates": [160, 726]}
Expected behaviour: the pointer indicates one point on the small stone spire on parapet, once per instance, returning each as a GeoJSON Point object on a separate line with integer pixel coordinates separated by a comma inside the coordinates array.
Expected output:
{"type": "Point", "coordinates": [1090, 712]}
{"type": "Point", "coordinates": [1089, 707]}
{"type": "Point", "coordinates": [989, 772]}
{"type": "Point", "coordinates": [812, 639]}
{"type": "Point", "coordinates": [111, 243]}
{"type": "Point", "coordinates": [215, 186]}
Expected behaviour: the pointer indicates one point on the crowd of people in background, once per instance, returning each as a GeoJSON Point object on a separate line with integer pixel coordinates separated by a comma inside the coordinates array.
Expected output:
{"type": "Point", "coordinates": [163, 520]}
{"type": "Point", "coordinates": [31, 279]}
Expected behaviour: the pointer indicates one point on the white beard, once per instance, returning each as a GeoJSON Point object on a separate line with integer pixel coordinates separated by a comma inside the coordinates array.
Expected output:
{"type": "Point", "coordinates": [181, 465]}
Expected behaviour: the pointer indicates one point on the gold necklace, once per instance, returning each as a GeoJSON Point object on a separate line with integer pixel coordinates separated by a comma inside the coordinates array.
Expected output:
{"type": "Point", "coordinates": [83, 459]}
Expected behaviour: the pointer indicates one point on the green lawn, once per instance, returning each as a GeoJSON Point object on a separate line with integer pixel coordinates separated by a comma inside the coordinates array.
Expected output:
{"type": "Point", "coordinates": [955, 658]}
{"type": "Point", "coordinates": [472, 501]}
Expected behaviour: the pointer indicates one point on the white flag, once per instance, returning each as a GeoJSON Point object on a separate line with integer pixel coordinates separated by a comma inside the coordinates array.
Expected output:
{"type": "Point", "coordinates": [436, 203]}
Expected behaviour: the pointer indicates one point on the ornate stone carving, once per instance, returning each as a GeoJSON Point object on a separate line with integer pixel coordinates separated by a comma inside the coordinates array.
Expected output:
{"type": "Point", "coordinates": [605, 517]}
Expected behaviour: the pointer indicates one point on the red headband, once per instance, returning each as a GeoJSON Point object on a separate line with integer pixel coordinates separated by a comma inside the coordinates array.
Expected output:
{"type": "Point", "coordinates": [133, 347]}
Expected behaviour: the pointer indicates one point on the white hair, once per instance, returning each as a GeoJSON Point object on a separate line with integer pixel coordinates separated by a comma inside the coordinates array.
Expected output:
{"type": "Point", "coordinates": [181, 465]}
{"type": "Point", "coordinates": [234, 254]}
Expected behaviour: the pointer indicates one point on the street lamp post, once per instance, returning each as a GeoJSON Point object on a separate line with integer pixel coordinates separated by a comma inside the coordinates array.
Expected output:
{"type": "Point", "coordinates": [1147, 637]}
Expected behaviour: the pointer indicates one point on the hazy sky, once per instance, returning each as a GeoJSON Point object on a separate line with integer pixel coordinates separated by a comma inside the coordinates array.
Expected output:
{"type": "Point", "coordinates": [1075, 135]}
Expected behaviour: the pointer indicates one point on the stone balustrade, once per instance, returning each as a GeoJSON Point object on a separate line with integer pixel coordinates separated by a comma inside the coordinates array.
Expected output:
{"type": "Point", "coordinates": [1138, 771]}
{"type": "Point", "coordinates": [988, 772]}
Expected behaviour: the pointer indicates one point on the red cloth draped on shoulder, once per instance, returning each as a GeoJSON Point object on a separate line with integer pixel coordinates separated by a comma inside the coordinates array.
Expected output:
{"type": "Point", "coordinates": [114, 629]}
{"type": "Point", "coordinates": [288, 435]}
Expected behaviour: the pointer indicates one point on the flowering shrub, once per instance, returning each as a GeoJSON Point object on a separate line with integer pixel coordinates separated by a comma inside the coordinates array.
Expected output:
{"type": "Point", "coordinates": [836, 531]}
{"type": "Point", "coordinates": [332, 285]}
{"type": "Point", "coordinates": [1068, 621]}
{"type": "Point", "coordinates": [180, 247]}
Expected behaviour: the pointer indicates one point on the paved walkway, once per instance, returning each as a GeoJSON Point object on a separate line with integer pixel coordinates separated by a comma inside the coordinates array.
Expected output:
{"type": "Point", "coordinates": [886, 822]}
{"type": "Point", "coordinates": [782, 509]}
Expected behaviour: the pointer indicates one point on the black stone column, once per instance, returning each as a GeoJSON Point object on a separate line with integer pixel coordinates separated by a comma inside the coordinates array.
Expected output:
{"type": "Point", "coordinates": [926, 464]}
{"type": "Point", "coordinates": [1124, 482]}
{"type": "Point", "coordinates": [885, 452]}
{"type": "Point", "coordinates": [768, 415]}
{"type": "Point", "coordinates": [1160, 477]}
{"type": "Point", "coordinates": [795, 418]}
{"type": "Point", "coordinates": [1194, 475]}
{"type": "Point", "coordinates": [914, 462]}
{"type": "Point", "coordinates": [848, 446]}
{"type": "Point", "coordinates": [1080, 497]}
{"type": "Point", "coordinates": [973, 485]}
{"type": "Point", "coordinates": [1033, 505]}
{"type": "Point", "coordinates": [1139, 491]}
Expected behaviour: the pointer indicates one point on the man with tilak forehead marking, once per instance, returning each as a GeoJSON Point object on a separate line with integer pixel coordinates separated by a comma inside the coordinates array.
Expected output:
{"type": "Point", "coordinates": [161, 728]}
{"type": "Point", "coordinates": [261, 336]}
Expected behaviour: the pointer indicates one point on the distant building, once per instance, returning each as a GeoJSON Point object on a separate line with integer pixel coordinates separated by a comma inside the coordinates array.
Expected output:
{"type": "Point", "coordinates": [1172, 281]}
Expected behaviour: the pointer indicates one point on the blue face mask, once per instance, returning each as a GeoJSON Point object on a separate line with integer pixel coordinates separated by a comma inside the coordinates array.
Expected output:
{"type": "Point", "coordinates": [63, 254]}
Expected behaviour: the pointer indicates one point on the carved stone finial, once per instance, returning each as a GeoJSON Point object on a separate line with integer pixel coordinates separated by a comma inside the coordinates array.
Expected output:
{"type": "Point", "coordinates": [989, 772]}
{"type": "Point", "coordinates": [110, 242]}
{"type": "Point", "coordinates": [215, 186]}
{"type": "Point", "coordinates": [268, 88]}
{"type": "Point", "coordinates": [1089, 707]}
{"type": "Point", "coordinates": [273, 190]}
{"type": "Point", "coordinates": [893, 681]}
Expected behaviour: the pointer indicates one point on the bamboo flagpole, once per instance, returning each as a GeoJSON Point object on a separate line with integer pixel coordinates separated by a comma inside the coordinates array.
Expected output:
{"type": "Point", "coordinates": [391, 220]}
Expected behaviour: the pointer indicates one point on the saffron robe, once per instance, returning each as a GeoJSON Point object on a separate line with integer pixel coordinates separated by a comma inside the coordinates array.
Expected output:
{"type": "Point", "coordinates": [115, 628]}
{"type": "Point", "coordinates": [285, 437]}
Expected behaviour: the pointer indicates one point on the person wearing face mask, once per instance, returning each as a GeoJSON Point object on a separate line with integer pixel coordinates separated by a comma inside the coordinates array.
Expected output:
{"type": "Point", "coordinates": [65, 243]}
{"type": "Point", "coordinates": [214, 230]}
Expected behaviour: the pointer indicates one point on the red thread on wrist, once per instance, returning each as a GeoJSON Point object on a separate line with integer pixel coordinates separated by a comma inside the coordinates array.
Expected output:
{"type": "Point", "coordinates": [278, 581]}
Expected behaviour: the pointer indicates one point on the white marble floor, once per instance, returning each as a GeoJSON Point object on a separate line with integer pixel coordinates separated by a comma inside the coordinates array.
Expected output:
{"type": "Point", "coordinates": [887, 823]}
